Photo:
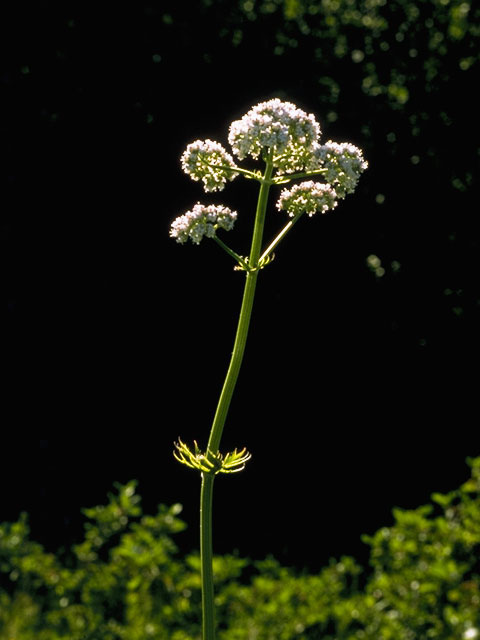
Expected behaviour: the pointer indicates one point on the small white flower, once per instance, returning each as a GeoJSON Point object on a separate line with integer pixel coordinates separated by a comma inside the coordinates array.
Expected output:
{"type": "Point", "coordinates": [307, 197]}
{"type": "Point", "coordinates": [289, 133]}
{"type": "Point", "coordinates": [209, 162]}
{"type": "Point", "coordinates": [201, 221]}
{"type": "Point", "coordinates": [344, 163]}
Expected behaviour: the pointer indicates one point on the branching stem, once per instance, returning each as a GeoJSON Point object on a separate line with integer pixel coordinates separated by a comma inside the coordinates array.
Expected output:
{"type": "Point", "coordinates": [241, 261]}
{"type": "Point", "coordinates": [279, 237]}
{"type": "Point", "coordinates": [287, 177]}
{"type": "Point", "coordinates": [235, 169]}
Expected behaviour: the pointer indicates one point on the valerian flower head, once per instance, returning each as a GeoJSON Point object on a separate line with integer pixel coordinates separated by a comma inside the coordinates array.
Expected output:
{"type": "Point", "coordinates": [344, 163]}
{"type": "Point", "coordinates": [201, 221]}
{"type": "Point", "coordinates": [209, 162]}
{"type": "Point", "coordinates": [307, 197]}
{"type": "Point", "coordinates": [277, 128]}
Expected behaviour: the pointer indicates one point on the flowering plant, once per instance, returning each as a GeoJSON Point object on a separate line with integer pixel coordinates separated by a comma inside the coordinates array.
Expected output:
{"type": "Point", "coordinates": [286, 139]}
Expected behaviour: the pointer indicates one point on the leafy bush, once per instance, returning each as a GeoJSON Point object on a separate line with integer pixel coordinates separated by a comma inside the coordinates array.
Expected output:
{"type": "Point", "coordinates": [127, 580]}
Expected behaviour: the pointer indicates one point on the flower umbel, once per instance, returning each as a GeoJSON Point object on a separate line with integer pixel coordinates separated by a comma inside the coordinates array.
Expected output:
{"type": "Point", "coordinates": [307, 197]}
{"type": "Point", "coordinates": [209, 162]}
{"type": "Point", "coordinates": [278, 127]}
{"type": "Point", "coordinates": [202, 221]}
{"type": "Point", "coordinates": [344, 163]}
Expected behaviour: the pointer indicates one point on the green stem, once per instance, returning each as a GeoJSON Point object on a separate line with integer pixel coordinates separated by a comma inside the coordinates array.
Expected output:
{"type": "Point", "coordinates": [206, 550]}
{"type": "Point", "coordinates": [231, 252]}
{"type": "Point", "coordinates": [284, 178]}
{"type": "Point", "coordinates": [234, 169]}
{"type": "Point", "coordinates": [244, 319]}
{"type": "Point", "coordinates": [280, 237]}
{"type": "Point", "coordinates": [206, 557]}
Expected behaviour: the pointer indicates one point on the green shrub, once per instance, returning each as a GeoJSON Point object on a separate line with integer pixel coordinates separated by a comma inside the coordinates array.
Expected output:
{"type": "Point", "coordinates": [127, 580]}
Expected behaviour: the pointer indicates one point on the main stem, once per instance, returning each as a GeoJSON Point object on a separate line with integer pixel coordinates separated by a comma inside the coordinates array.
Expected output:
{"type": "Point", "coordinates": [206, 494]}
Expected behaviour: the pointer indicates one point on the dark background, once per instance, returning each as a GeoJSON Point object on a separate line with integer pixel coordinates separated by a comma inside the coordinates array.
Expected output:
{"type": "Point", "coordinates": [359, 389]}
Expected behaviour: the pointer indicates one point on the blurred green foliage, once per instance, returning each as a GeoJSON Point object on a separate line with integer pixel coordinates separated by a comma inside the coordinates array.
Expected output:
{"type": "Point", "coordinates": [395, 77]}
{"type": "Point", "coordinates": [397, 45]}
{"type": "Point", "coordinates": [127, 580]}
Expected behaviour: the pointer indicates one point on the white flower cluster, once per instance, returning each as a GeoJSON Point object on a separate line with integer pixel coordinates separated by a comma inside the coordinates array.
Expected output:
{"type": "Point", "coordinates": [278, 127]}
{"type": "Point", "coordinates": [344, 163]}
{"type": "Point", "coordinates": [307, 197]}
{"type": "Point", "coordinates": [208, 161]}
{"type": "Point", "coordinates": [284, 135]}
{"type": "Point", "coordinates": [201, 221]}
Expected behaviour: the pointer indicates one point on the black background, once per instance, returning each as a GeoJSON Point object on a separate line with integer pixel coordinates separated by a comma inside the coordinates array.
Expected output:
{"type": "Point", "coordinates": [358, 392]}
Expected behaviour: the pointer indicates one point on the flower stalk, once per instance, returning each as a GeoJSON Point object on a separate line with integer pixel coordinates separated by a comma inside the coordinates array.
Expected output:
{"type": "Point", "coordinates": [286, 138]}
{"type": "Point", "coordinates": [272, 246]}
